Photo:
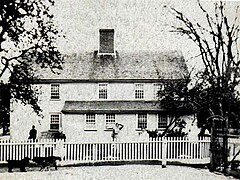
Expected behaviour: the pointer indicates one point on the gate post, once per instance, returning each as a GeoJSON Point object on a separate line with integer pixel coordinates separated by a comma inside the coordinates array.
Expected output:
{"type": "Point", "coordinates": [164, 151]}
{"type": "Point", "coordinates": [225, 144]}
{"type": "Point", "coordinates": [212, 150]}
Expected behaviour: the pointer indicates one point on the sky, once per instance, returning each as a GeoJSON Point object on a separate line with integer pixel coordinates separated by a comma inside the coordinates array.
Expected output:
{"type": "Point", "coordinates": [140, 25]}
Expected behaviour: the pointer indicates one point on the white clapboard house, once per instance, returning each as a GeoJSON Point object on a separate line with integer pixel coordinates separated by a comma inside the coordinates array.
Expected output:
{"type": "Point", "coordinates": [99, 88]}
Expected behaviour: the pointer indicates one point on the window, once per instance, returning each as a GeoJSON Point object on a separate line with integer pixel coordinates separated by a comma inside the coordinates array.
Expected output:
{"type": "Point", "coordinates": [162, 121]}
{"type": "Point", "coordinates": [142, 121]}
{"type": "Point", "coordinates": [139, 91]}
{"type": "Point", "coordinates": [156, 89]}
{"type": "Point", "coordinates": [55, 91]}
{"type": "Point", "coordinates": [90, 120]}
{"type": "Point", "coordinates": [110, 120]}
{"type": "Point", "coordinates": [103, 93]}
{"type": "Point", "coordinates": [54, 122]}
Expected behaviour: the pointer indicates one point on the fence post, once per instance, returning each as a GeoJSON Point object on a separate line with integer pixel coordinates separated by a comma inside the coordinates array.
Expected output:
{"type": "Point", "coordinates": [164, 152]}
{"type": "Point", "coordinates": [42, 145]}
{"type": "Point", "coordinates": [200, 143]}
{"type": "Point", "coordinates": [94, 149]}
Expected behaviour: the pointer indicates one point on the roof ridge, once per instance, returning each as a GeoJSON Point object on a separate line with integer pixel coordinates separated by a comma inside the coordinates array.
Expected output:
{"type": "Point", "coordinates": [126, 52]}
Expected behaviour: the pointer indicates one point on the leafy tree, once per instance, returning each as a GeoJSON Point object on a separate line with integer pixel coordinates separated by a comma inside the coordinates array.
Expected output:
{"type": "Point", "coordinates": [214, 92]}
{"type": "Point", "coordinates": [175, 99]}
{"type": "Point", "coordinates": [27, 42]}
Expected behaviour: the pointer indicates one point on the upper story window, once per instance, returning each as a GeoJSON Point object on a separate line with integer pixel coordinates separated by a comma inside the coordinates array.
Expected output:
{"type": "Point", "coordinates": [156, 88]}
{"type": "Point", "coordinates": [142, 121]}
{"type": "Point", "coordinates": [162, 121]}
{"type": "Point", "coordinates": [110, 120]}
{"type": "Point", "coordinates": [90, 120]}
{"type": "Point", "coordinates": [139, 91]}
{"type": "Point", "coordinates": [55, 91]}
{"type": "Point", "coordinates": [55, 121]}
{"type": "Point", "coordinates": [102, 90]}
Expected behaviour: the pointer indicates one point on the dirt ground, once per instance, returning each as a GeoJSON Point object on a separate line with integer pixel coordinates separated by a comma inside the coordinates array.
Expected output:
{"type": "Point", "coordinates": [123, 172]}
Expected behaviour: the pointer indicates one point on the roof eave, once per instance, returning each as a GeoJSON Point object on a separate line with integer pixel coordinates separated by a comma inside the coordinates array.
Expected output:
{"type": "Point", "coordinates": [40, 81]}
{"type": "Point", "coordinates": [126, 111]}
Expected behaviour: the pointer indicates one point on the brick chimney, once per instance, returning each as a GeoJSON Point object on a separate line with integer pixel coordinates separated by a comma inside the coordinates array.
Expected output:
{"type": "Point", "coordinates": [106, 45]}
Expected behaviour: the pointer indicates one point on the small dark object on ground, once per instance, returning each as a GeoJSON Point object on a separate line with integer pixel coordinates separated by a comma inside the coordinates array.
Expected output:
{"type": "Point", "coordinates": [46, 162]}
{"type": "Point", "coordinates": [18, 164]}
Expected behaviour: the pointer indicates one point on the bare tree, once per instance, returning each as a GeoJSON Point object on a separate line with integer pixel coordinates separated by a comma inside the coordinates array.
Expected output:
{"type": "Point", "coordinates": [218, 43]}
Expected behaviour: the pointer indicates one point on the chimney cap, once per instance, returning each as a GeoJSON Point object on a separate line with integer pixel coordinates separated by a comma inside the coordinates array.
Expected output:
{"type": "Point", "coordinates": [106, 30]}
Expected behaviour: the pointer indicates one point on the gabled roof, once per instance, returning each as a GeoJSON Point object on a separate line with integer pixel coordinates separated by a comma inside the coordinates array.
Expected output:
{"type": "Point", "coordinates": [135, 66]}
{"type": "Point", "coordinates": [118, 107]}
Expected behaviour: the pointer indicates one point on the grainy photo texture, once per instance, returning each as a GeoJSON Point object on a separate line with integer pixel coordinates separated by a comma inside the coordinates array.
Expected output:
{"type": "Point", "coordinates": [108, 89]}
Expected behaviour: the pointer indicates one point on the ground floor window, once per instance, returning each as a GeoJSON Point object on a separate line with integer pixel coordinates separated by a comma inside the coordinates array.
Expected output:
{"type": "Point", "coordinates": [110, 120]}
{"type": "Point", "coordinates": [54, 122]}
{"type": "Point", "coordinates": [142, 121]}
{"type": "Point", "coordinates": [90, 120]}
{"type": "Point", "coordinates": [162, 121]}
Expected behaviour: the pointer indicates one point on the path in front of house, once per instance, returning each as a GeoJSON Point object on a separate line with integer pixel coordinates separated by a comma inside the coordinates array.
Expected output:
{"type": "Point", "coordinates": [123, 172]}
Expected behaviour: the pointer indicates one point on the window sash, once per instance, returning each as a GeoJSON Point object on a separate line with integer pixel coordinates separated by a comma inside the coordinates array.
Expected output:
{"type": "Point", "coordinates": [55, 91]}
{"type": "Point", "coordinates": [54, 126]}
{"type": "Point", "coordinates": [139, 91]}
{"type": "Point", "coordinates": [162, 121]}
{"type": "Point", "coordinates": [103, 91]}
{"type": "Point", "coordinates": [156, 88]}
{"type": "Point", "coordinates": [142, 121]}
{"type": "Point", "coordinates": [110, 119]}
{"type": "Point", "coordinates": [54, 121]}
{"type": "Point", "coordinates": [90, 120]}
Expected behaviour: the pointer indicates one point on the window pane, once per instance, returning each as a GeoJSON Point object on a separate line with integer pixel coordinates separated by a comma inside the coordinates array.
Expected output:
{"type": "Point", "coordinates": [162, 121]}
{"type": "Point", "coordinates": [156, 89]}
{"type": "Point", "coordinates": [54, 126]}
{"type": "Point", "coordinates": [102, 91]}
{"type": "Point", "coordinates": [90, 120]}
{"type": "Point", "coordinates": [142, 121]}
{"type": "Point", "coordinates": [55, 91]}
{"type": "Point", "coordinates": [139, 91]}
{"type": "Point", "coordinates": [110, 119]}
{"type": "Point", "coordinates": [54, 121]}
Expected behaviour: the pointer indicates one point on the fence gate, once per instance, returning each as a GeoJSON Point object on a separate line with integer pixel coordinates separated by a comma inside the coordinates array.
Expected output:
{"type": "Point", "coordinates": [218, 148]}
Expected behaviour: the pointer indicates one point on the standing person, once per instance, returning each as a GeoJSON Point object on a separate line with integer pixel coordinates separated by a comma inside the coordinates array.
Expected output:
{"type": "Point", "coordinates": [116, 130]}
{"type": "Point", "coordinates": [33, 133]}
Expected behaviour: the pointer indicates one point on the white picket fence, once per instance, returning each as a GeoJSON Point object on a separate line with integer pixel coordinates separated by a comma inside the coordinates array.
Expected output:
{"type": "Point", "coordinates": [170, 149]}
